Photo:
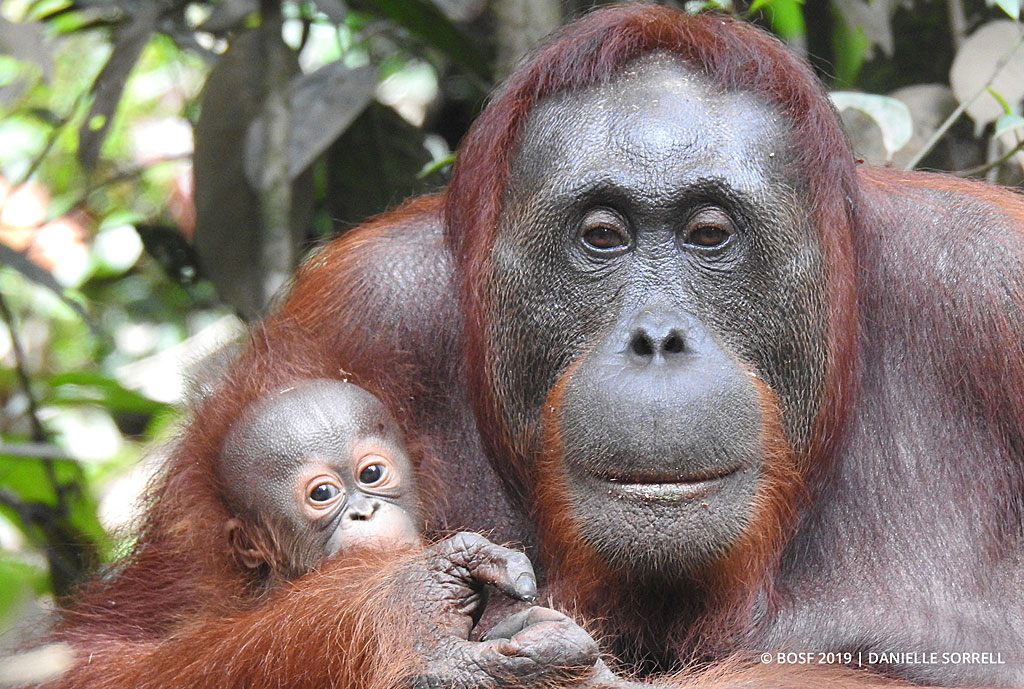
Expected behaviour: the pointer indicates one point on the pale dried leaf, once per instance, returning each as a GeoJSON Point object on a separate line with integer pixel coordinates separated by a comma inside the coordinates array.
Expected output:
{"type": "Point", "coordinates": [37, 665]}
{"type": "Point", "coordinates": [929, 105]}
{"type": "Point", "coordinates": [891, 116]}
{"type": "Point", "coordinates": [975, 64]}
{"type": "Point", "coordinates": [1011, 7]}
{"type": "Point", "coordinates": [1008, 123]}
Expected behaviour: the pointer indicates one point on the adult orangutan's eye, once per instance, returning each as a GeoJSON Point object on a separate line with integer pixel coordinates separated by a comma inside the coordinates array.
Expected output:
{"type": "Point", "coordinates": [708, 228]}
{"type": "Point", "coordinates": [604, 233]}
{"type": "Point", "coordinates": [708, 236]}
{"type": "Point", "coordinates": [604, 238]}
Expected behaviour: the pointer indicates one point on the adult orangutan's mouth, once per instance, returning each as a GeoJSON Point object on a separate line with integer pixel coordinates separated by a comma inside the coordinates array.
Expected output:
{"type": "Point", "coordinates": [667, 488]}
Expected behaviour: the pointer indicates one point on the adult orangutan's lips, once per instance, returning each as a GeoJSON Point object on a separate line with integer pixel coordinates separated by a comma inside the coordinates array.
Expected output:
{"type": "Point", "coordinates": [667, 488]}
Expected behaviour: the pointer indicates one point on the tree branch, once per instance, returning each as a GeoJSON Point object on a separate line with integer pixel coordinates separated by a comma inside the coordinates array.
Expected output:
{"type": "Point", "coordinates": [275, 189]}
{"type": "Point", "coordinates": [955, 115]}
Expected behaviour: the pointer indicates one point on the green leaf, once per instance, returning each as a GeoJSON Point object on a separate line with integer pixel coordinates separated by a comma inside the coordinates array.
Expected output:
{"type": "Point", "coordinates": [20, 581]}
{"type": "Point", "coordinates": [761, 4]}
{"type": "Point", "coordinates": [34, 272]}
{"type": "Point", "coordinates": [1008, 122]}
{"type": "Point", "coordinates": [850, 44]}
{"type": "Point", "coordinates": [436, 166]}
{"type": "Point", "coordinates": [28, 480]}
{"type": "Point", "coordinates": [1002, 101]}
{"type": "Point", "coordinates": [787, 18]}
{"type": "Point", "coordinates": [68, 536]}
{"type": "Point", "coordinates": [80, 387]}
{"type": "Point", "coordinates": [424, 20]}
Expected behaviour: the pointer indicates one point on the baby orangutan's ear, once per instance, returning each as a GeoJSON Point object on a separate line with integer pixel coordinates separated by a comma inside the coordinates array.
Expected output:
{"type": "Point", "coordinates": [243, 548]}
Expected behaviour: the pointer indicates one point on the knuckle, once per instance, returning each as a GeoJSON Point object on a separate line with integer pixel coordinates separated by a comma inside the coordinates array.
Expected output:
{"type": "Point", "coordinates": [470, 539]}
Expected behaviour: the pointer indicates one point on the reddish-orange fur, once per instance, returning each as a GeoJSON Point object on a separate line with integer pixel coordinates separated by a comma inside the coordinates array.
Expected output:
{"type": "Point", "coordinates": [336, 617]}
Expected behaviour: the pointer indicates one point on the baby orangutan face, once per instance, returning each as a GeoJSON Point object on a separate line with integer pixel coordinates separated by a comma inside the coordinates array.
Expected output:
{"type": "Point", "coordinates": [359, 496]}
{"type": "Point", "coordinates": [313, 470]}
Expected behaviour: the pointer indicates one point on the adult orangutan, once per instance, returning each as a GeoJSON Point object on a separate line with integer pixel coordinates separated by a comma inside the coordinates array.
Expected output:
{"type": "Point", "coordinates": [733, 393]}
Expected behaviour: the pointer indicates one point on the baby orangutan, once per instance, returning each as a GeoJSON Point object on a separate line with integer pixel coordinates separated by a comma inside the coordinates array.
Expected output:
{"type": "Point", "coordinates": [318, 470]}
{"type": "Point", "coordinates": [313, 470]}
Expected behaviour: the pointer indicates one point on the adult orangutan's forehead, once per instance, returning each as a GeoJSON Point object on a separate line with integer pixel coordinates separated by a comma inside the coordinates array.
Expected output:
{"type": "Point", "coordinates": [657, 121]}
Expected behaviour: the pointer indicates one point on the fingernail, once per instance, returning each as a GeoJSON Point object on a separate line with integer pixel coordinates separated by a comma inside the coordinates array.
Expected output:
{"type": "Point", "coordinates": [526, 586]}
{"type": "Point", "coordinates": [509, 649]}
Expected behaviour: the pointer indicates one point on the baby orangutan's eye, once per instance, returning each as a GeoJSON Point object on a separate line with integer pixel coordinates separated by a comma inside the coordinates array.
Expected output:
{"type": "Point", "coordinates": [324, 492]}
{"type": "Point", "coordinates": [372, 474]}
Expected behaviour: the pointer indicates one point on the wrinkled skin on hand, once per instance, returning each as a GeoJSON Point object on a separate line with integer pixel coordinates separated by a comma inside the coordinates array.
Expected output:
{"type": "Point", "coordinates": [534, 647]}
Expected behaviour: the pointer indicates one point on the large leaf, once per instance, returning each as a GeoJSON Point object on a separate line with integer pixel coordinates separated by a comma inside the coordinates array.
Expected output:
{"type": "Point", "coordinates": [891, 115]}
{"type": "Point", "coordinates": [39, 275]}
{"type": "Point", "coordinates": [131, 39]}
{"type": "Point", "coordinates": [930, 105]}
{"type": "Point", "coordinates": [976, 62]}
{"type": "Point", "coordinates": [227, 237]}
{"type": "Point", "coordinates": [787, 19]}
{"type": "Point", "coordinates": [323, 104]}
{"type": "Point", "coordinates": [375, 165]}
{"type": "Point", "coordinates": [423, 19]}
{"type": "Point", "coordinates": [80, 387]}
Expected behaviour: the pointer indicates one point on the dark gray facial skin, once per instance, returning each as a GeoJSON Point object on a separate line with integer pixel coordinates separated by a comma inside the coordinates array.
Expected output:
{"type": "Point", "coordinates": [654, 255]}
{"type": "Point", "coordinates": [324, 461]}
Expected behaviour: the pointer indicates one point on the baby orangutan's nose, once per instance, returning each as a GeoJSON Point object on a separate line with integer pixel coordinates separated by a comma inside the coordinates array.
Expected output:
{"type": "Point", "coordinates": [361, 508]}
